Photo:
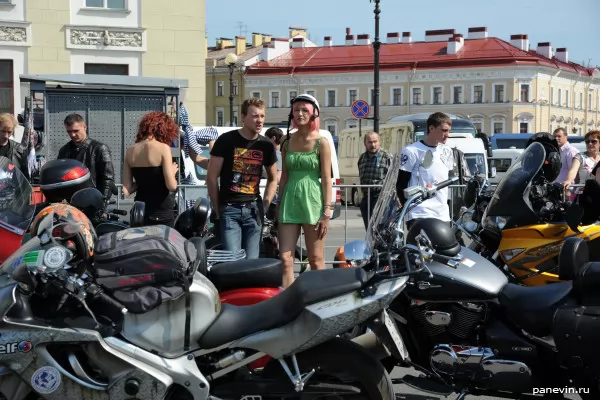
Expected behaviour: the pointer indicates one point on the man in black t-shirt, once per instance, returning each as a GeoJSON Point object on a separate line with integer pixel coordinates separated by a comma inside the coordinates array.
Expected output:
{"type": "Point", "coordinates": [237, 158]}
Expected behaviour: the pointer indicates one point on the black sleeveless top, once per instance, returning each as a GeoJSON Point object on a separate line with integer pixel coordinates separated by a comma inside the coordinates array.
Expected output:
{"type": "Point", "coordinates": [152, 190]}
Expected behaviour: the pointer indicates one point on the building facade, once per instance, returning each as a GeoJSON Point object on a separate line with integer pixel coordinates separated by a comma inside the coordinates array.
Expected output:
{"type": "Point", "coordinates": [152, 38]}
{"type": "Point", "coordinates": [222, 79]}
{"type": "Point", "coordinates": [502, 86]}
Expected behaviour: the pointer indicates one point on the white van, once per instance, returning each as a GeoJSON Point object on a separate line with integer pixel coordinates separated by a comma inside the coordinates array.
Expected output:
{"type": "Point", "coordinates": [193, 193]}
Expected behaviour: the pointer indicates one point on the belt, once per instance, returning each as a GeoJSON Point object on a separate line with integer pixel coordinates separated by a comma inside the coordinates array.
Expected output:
{"type": "Point", "coordinates": [246, 204]}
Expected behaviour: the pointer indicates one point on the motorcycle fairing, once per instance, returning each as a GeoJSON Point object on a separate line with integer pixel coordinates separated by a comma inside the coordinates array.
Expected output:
{"type": "Point", "coordinates": [511, 198]}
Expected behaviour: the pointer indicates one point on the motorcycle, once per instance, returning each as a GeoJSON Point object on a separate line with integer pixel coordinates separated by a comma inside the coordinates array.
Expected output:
{"type": "Point", "coordinates": [60, 342]}
{"type": "Point", "coordinates": [466, 328]}
{"type": "Point", "coordinates": [524, 223]}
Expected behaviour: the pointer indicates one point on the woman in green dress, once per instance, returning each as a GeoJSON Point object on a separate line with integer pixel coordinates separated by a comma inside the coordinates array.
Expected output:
{"type": "Point", "coordinates": [304, 188]}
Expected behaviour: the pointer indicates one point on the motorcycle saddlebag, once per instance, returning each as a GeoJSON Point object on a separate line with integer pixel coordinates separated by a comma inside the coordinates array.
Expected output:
{"type": "Point", "coordinates": [575, 335]}
{"type": "Point", "coordinates": [586, 284]}
{"type": "Point", "coordinates": [143, 267]}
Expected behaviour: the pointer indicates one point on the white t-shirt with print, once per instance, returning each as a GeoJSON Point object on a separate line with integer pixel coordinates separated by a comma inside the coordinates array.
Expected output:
{"type": "Point", "coordinates": [411, 158]}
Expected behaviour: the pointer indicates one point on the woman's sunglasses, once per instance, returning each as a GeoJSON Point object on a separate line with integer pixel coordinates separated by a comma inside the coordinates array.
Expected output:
{"type": "Point", "coordinates": [594, 141]}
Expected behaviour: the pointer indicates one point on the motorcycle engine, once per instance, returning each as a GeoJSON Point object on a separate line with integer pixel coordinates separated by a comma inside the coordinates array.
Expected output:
{"type": "Point", "coordinates": [456, 319]}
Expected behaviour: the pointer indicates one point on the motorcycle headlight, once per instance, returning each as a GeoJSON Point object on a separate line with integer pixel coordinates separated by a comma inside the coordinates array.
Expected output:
{"type": "Point", "coordinates": [509, 254]}
{"type": "Point", "coordinates": [494, 223]}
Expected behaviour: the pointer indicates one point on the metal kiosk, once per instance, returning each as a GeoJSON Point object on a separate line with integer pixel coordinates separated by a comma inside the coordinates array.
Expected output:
{"type": "Point", "coordinates": [112, 106]}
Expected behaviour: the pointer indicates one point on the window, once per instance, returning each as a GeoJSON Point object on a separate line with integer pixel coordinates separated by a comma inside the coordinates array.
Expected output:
{"type": "Point", "coordinates": [292, 94]}
{"type": "Point", "coordinates": [501, 164]}
{"type": "Point", "coordinates": [275, 99]}
{"type": "Point", "coordinates": [560, 97]}
{"type": "Point", "coordinates": [567, 98]}
{"type": "Point", "coordinates": [551, 99]}
{"type": "Point", "coordinates": [331, 126]}
{"type": "Point", "coordinates": [396, 97]}
{"type": "Point", "coordinates": [312, 93]}
{"type": "Point", "coordinates": [6, 86]}
{"type": "Point", "coordinates": [524, 127]}
{"type": "Point", "coordinates": [110, 4]}
{"type": "Point", "coordinates": [478, 94]}
{"type": "Point", "coordinates": [331, 98]}
{"type": "Point", "coordinates": [256, 94]}
{"type": "Point", "coordinates": [524, 96]}
{"type": "Point", "coordinates": [352, 96]}
{"type": "Point", "coordinates": [499, 93]}
{"type": "Point", "coordinates": [478, 123]}
{"type": "Point", "coordinates": [457, 95]}
{"type": "Point", "coordinates": [417, 96]}
{"type": "Point", "coordinates": [235, 88]}
{"type": "Point", "coordinates": [497, 125]}
{"type": "Point", "coordinates": [437, 95]}
{"type": "Point", "coordinates": [351, 123]}
{"type": "Point", "coordinates": [220, 85]}
{"type": "Point", "coordinates": [220, 115]}
{"type": "Point", "coordinates": [235, 118]}
{"type": "Point", "coordinates": [106, 69]}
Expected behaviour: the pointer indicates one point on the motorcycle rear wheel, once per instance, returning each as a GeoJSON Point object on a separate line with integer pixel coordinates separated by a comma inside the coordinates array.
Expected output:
{"type": "Point", "coordinates": [342, 362]}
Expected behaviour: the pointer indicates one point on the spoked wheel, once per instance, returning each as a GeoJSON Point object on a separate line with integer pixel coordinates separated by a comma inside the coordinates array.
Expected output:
{"type": "Point", "coordinates": [343, 370]}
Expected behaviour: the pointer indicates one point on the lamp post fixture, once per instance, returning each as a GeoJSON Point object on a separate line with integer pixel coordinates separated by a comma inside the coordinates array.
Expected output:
{"type": "Point", "coordinates": [376, 46]}
{"type": "Point", "coordinates": [231, 60]}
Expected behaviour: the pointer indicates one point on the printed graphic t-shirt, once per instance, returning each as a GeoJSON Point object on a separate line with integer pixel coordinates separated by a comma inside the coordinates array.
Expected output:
{"type": "Point", "coordinates": [411, 158]}
{"type": "Point", "coordinates": [243, 162]}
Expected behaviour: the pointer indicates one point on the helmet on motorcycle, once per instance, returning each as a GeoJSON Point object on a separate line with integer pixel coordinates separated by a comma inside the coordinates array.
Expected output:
{"type": "Point", "coordinates": [440, 233]}
{"type": "Point", "coordinates": [68, 225]}
{"type": "Point", "coordinates": [552, 163]}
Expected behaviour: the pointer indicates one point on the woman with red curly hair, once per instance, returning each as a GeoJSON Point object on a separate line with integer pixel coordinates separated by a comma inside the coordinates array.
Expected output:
{"type": "Point", "coordinates": [148, 162]}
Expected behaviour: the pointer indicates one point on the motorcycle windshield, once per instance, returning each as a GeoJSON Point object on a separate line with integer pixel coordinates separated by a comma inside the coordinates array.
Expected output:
{"type": "Point", "coordinates": [18, 257]}
{"type": "Point", "coordinates": [16, 210]}
{"type": "Point", "coordinates": [511, 198]}
{"type": "Point", "coordinates": [379, 230]}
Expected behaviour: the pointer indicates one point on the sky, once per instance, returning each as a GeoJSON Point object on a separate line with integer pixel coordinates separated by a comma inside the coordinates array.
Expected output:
{"type": "Point", "coordinates": [572, 24]}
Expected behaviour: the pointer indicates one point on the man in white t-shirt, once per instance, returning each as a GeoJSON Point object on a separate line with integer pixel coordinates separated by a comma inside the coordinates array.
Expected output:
{"type": "Point", "coordinates": [413, 173]}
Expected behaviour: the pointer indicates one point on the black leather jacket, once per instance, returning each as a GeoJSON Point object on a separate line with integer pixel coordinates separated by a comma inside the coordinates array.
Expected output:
{"type": "Point", "coordinates": [96, 156]}
{"type": "Point", "coordinates": [16, 154]}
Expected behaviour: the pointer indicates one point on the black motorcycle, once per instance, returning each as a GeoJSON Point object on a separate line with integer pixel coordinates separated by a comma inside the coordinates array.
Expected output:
{"type": "Point", "coordinates": [468, 330]}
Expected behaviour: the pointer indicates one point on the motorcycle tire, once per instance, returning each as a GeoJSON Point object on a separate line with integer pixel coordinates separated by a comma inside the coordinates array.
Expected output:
{"type": "Point", "coordinates": [342, 362]}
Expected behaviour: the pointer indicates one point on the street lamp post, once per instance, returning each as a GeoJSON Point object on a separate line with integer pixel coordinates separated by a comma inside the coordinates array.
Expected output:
{"type": "Point", "coordinates": [231, 60]}
{"type": "Point", "coordinates": [376, 46]}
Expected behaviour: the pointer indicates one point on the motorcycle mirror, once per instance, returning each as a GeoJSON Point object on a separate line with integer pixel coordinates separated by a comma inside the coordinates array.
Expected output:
{"type": "Point", "coordinates": [427, 160]}
{"type": "Point", "coordinates": [88, 200]}
{"type": "Point", "coordinates": [573, 216]}
{"type": "Point", "coordinates": [113, 187]}
{"type": "Point", "coordinates": [137, 214]}
{"type": "Point", "coordinates": [21, 274]}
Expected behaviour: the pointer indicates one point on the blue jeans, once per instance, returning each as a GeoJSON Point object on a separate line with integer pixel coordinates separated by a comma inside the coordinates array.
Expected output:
{"type": "Point", "coordinates": [241, 227]}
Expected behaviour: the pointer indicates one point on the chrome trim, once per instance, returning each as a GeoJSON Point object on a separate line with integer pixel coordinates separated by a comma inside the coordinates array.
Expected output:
{"type": "Point", "coordinates": [69, 183]}
{"type": "Point", "coordinates": [13, 229]}
{"type": "Point", "coordinates": [237, 365]}
{"type": "Point", "coordinates": [438, 318]}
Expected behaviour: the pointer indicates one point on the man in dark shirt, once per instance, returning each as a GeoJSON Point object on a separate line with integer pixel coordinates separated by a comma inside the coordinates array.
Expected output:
{"type": "Point", "coordinates": [373, 166]}
{"type": "Point", "coordinates": [237, 158]}
{"type": "Point", "coordinates": [9, 148]}
{"type": "Point", "coordinates": [94, 154]}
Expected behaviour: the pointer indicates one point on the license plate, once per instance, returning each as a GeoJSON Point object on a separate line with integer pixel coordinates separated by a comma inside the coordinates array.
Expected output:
{"type": "Point", "coordinates": [393, 331]}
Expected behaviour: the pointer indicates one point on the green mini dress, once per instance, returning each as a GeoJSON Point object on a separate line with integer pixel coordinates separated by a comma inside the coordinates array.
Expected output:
{"type": "Point", "coordinates": [302, 199]}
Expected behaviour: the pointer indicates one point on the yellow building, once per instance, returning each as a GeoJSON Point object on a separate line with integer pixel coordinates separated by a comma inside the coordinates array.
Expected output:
{"type": "Point", "coordinates": [152, 38]}
{"type": "Point", "coordinates": [226, 64]}
{"type": "Point", "coordinates": [501, 86]}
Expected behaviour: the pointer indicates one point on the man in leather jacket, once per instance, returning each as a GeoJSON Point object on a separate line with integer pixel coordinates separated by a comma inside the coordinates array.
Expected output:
{"type": "Point", "coordinates": [9, 148]}
{"type": "Point", "coordinates": [94, 154]}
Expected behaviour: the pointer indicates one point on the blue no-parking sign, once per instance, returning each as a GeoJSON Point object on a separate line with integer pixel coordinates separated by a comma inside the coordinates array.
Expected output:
{"type": "Point", "coordinates": [360, 109]}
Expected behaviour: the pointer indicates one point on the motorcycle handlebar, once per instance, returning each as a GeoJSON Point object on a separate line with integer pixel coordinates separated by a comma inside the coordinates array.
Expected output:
{"type": "Point", "coordinates": [105, 300]}
{"type": "Point", "coordinates": [117, 212]}
{"type": "Point", "coordinates": [446, 183]}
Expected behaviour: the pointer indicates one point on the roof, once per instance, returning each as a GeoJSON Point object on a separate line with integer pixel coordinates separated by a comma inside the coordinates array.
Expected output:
{"type": "Point", "coordinates": [108, 80]}
{"type": "Point", "coordinates": [405, 56]}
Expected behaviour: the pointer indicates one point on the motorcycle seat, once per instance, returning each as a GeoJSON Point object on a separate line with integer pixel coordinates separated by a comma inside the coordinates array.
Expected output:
{"type": "Point", "coordinates": [532, 308]}
{"type": "Point", "coordinates": [242, 274]}
{"type": "Point", "coordinates": [235, 322]}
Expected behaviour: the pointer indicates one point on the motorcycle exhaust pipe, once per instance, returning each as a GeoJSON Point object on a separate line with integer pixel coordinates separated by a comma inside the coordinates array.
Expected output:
{"type": "Point", "coordinates": [371, 342]}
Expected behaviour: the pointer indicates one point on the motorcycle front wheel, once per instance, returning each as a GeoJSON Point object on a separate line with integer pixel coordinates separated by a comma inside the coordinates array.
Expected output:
{"type": "Point", "coordinates": [339, 362]}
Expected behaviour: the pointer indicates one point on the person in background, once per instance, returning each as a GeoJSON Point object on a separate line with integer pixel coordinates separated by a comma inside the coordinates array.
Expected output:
{"type": "Point", "coordinates": [412, 173]}
{"type": "Point", "coordinates": [148, 169]}
{"type": "Point", "coordinates": [237, 160]}
{"type": "Point", "coordinates": [583, 163]}
{"type": "Point", "coordinates": [567, 154]}
{"type": "Point", "coordinates": [275, 135]}
{"type": "Point", "coordinates": [305, 188]}
{"type": "Point", "coordinates": [373, 166]}
{"type": "Point", "coordinates": [92, 153]}
{"type": "Point", "coordinates": [9, 148]}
